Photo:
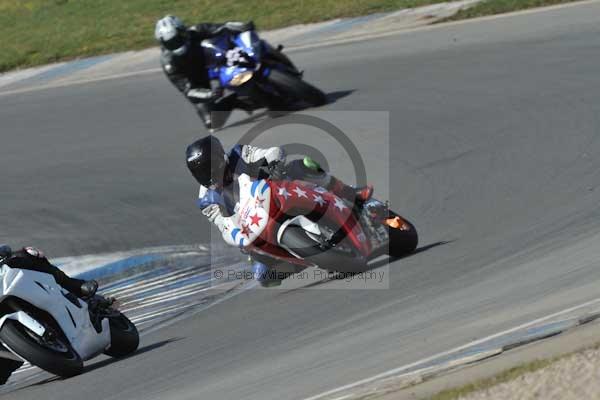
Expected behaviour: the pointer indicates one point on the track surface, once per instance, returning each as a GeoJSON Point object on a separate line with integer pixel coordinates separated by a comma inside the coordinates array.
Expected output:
{"type": "Point", "coordinates": [494, 147]}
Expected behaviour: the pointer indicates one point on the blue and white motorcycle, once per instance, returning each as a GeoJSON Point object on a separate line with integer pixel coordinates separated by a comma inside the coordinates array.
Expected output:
{"type": "Point", "coordinates": [260, 75]}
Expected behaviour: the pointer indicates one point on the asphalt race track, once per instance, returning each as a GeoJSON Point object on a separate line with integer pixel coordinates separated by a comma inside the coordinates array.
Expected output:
{"type": "Point", "coordinates": [493, 149]}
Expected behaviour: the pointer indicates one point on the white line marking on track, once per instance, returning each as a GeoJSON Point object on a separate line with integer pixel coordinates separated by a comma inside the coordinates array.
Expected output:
{"type": "Point", "coordinates": [143, 288]}
{"type": "Point", "coordinates": [175, 296]}
{"type": "Point", "coordinates": [143, 283]}
{"type": "Point", "coordinates": [82, 81]}
{"type": "Point", "coordinates": [158, 314]}
{"type": "Point", "coordinates": [159, 310]}
{"type": "Point", "coordinates": [168, 293]}
{"type": "Point", "coordinates": [399, 370]}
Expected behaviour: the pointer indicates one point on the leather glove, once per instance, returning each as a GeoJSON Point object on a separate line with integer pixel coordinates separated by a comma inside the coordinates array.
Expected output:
{"type": "Point", "coordinates": [212, 212]}
{"type": "Point", "coordinates": [276, 170]}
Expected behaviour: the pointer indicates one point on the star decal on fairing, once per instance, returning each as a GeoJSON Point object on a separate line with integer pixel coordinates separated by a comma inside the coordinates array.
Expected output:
{"type": "Point", "coordinates": [300, 193]}
{"type": "Point", "coordinates": [319, 200]}
{"type": "Point", "coordinates": [284, 193]}
{"type": "Point", "coordinates": [255, 219]}
{"type": "Point", "coordinates": [339, 204]}
{"type": "Point", "coordinates": [245, 230]}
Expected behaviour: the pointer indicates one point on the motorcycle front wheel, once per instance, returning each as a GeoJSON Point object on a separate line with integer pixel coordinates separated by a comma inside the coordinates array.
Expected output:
{"type": "Point", "coordinates": [295, 88]}
{"type": "Point", "coordinates": [53, 354]}
{"type": "Point", "coordinates": [124, 337]}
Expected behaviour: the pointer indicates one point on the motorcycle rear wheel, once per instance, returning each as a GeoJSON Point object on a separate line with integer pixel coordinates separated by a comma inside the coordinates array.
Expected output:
{"type": "Point", "coordinates": [404, 239]}
{"type": "Point", "coordinates": [296, 88]}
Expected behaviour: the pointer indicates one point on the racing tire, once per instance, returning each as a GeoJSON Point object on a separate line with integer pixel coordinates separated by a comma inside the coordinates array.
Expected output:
{"type": "Point", "coordinates": [342, 258]}
{"type": "Point", "coordinates": [402, 241]}
{"type": "Point", "coordinates": [64, 364]}
{"type": "Point", "coordinates": [124, 337]}
{"type": "Point", "coordinates": [296, 88]}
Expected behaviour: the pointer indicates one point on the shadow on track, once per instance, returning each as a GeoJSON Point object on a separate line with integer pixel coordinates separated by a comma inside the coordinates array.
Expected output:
{"type": "Point", "coordinates": [377, 264]}
{"type": "Point", "coordinates": [92, 367]}
{"type": "Point", "coordinates": [384, 261]}
{"type": "Point", "coordinates": [332, 97]}
{"type": "Point", "coordinates": [140, 351]}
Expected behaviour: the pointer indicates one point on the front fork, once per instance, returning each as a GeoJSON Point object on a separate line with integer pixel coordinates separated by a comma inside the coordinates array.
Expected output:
{"type": "Point", "coordinates": [279, 57]}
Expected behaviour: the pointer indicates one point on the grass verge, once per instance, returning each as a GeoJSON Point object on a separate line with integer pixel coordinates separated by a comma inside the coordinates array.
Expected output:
{"type": "Point", "coordinates": [506, 376]}
{"type": "Point", "coordinates": [490, 7]}
{"type": "Point", "coordinates": [37, 32]}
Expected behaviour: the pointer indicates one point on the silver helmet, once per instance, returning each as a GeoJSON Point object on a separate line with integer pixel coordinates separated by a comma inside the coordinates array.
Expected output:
{"type": "Point", "coordinates": [172, 34]}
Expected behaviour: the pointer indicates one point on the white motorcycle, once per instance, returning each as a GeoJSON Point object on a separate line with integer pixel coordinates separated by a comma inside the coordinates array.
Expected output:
{"type": "Point", "coordinates": [53, 329]}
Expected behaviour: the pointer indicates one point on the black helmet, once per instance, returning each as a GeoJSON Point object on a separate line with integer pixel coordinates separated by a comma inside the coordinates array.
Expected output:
{"type": "Point", "coordinates": [207, 161]}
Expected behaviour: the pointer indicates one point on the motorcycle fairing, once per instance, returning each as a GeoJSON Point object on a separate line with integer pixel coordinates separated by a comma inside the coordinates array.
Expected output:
{"type": "Point", "coordinates": [304, 223]}
{"type": "Point", "coordinates": [292, 198]}
{"type": "Point", "coordinates": [41, 291]}
{"type": "Point", "coordinates": [223, 62]}
{"type": "Point", "coordinates": [25, 320]}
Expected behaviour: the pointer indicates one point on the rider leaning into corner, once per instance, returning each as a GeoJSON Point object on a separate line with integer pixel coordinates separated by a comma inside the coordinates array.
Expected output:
{"type": "Point", "coordinates": [33, 259]}
{"type": "Point", "coordinates": [183, 61]}
{"type": "Point", "coordinates": [216, 172]}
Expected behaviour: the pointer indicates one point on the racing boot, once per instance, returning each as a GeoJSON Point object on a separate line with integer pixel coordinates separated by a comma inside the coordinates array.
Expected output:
{"type": "Point", "coordinates": [77, 287]}
{"type": "Point", "coordinates": [358, 196]}
{"type": "Point", "coordinates": [312, 172]}
{"type": "Point", "coordinates": [88, 288]}
{"type": "Point", "coordinates": [265, 276]}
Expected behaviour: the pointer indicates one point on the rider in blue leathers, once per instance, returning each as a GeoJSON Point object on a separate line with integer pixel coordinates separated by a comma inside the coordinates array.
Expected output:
{"type": "Point", "coordinates": [215, 170]}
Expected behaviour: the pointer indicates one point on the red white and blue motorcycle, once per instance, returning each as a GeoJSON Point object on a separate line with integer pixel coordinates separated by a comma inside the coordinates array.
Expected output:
{"type": "Point", "coordinates": [304, 225]}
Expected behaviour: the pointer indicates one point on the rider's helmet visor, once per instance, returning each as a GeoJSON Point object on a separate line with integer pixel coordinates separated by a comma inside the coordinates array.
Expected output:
{"type": "Point", "coordinates": [176, 43]}
{"type": "Point", "coordinates": [213, 176]}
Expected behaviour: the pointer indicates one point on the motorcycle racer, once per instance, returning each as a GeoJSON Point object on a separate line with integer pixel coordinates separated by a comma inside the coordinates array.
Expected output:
{"type": "Point", "coordinates": [216, 171]}
{"type": "Point", "coordinates": [33, 259]}
{"type": "Point", "coordinates": [183, 61]}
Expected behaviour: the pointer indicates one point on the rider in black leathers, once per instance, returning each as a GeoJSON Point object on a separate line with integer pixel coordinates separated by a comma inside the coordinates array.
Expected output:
{"type": "Point", "coordinates": [33, 259]}
{"type": "Point", "coordinates": [183, 61]}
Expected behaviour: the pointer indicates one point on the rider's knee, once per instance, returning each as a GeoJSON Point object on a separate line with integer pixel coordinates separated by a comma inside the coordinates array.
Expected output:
{"type": "Point", "coordinates": [265, 276]}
